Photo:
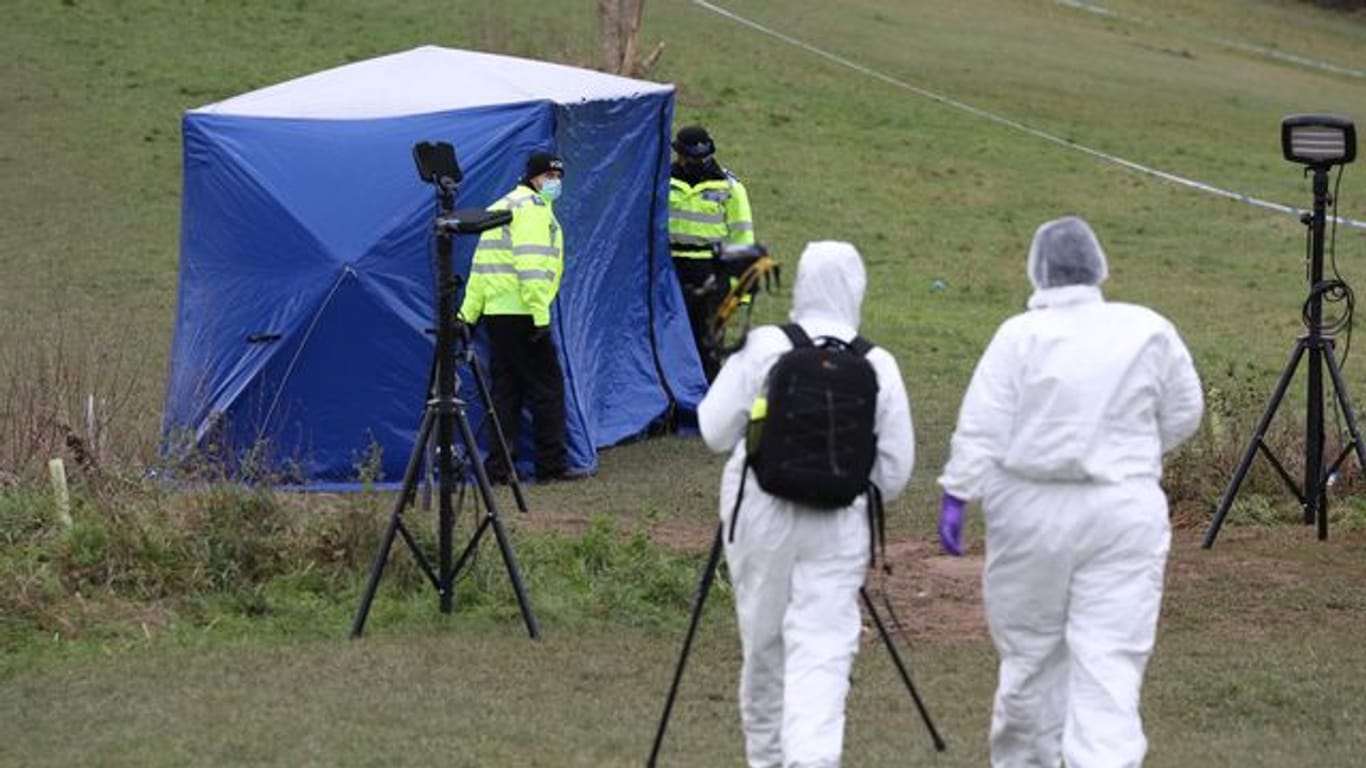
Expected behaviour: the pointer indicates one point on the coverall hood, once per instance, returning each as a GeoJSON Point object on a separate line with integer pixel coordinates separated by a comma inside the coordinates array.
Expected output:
{"type": "Point", "coordinates": [1066, 252]}
{"type": "Point", "coordinates": [830, 285]}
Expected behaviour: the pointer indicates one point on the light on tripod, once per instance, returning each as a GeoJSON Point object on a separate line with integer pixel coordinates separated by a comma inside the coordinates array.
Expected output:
{"type": "Point", "coordinates": [1318, 140]}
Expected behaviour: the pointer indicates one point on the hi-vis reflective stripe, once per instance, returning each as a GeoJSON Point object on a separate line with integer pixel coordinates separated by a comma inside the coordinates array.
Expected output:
{"type": "Point", "coordinates": [537, 250]}
{"type": "Point", "coordinates": [535, 274]}
{"type": "Point", "coordinates": [742, 226]}
{"type": "Point", "coordinates": [501, 244]}
{"type": "Point", "coordinates": [493, 269]}
{"type": "Point", "coordinates": [697, 216]}
{"type": "Point", "coordinates": [681, 239]}
{"type": "Point", "coordinates": [518, 202]}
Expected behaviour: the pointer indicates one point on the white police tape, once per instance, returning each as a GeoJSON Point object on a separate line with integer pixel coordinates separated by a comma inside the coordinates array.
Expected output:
{"type": "Point", "coordinates": [1035, 132]}
{"type": "Point", "coordinates": [1271, 53]}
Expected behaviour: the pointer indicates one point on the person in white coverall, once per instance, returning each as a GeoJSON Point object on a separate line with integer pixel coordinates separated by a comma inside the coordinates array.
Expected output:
{"type": "Point", "coordinates": [1061, 435]}
{"type": "Point", "coordinates": [795, 570]}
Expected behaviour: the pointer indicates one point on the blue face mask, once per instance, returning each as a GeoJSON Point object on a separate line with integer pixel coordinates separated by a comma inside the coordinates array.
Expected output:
{"type": "Point", "coordinates": [550, 190]}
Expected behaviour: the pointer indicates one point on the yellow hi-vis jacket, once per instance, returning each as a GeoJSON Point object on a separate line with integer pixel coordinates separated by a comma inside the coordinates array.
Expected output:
{"type": "Point", "coordinates": [709, 212]}
{"type": "Point", "coordinates": [517, 267]}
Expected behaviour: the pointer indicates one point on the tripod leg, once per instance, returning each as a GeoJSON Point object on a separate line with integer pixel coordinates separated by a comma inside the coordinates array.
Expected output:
{"type": "Point", "coordinates": [1253, 444]}
{"type": "Point", "coordinates": [500, 438]}
{"type": "Point", "coordinates": [445, 514]}
{"type": "Point", "coordinates": [703, 587]}
{"type": "Point", "coordinates": [1345, 402]}
{"type": "Point", "coordinates": [473, 544]}
{"type": "Point", "coordinates": [491, 516]}
{"type": "Point", "coordinates": [405, 495]}
{"type": "Point", "coordinates": [428, 470]}
{"type": "Point", "coordinates": [939, 744]}
{"type": "Point", "coordinates": [510, 560]}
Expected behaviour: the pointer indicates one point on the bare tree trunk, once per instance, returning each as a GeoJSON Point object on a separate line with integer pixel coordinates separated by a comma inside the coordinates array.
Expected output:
{"type": "Point", "coordinates": [609, 34]}
{"type": "Point", "coordinates": [619, 36]}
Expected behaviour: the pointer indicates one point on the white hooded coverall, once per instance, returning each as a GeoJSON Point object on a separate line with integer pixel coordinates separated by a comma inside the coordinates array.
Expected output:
{"type": "Point", "coordinates": [796, 570]}
{"type": "Point", "coordinates": [1061, 435]}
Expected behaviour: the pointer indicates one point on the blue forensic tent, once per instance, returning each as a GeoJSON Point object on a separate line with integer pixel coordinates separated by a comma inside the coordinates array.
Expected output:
{"type": "Point", "coordinates": [305, 308]}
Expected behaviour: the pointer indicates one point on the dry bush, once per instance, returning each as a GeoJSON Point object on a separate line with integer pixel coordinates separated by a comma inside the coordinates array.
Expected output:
{"type": "Point", "coordinates": [74, 393]}
{"type": "Point", "coordinates": [1197, 476]}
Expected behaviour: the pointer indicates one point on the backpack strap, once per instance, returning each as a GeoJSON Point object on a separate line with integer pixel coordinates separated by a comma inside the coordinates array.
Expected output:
{"type": "Point", "coordinates": [739, 496]}
{"type": "Point", "coordinates": [796, 335]}
{"type": "Point", "coordinates": [861, 346]}
{"type": "Point", "coordinates": [799, 338]}
{"type": "Point", "coordinates": [877, 527]}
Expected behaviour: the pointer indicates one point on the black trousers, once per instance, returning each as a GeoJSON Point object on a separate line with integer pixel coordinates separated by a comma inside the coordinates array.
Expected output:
{"type": "Point", "coordinates": [702, 294]}
{"type": "Point", "coordinates": [526, 372]}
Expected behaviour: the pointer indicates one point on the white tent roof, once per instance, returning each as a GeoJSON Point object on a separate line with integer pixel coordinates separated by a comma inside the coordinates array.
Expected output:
{"type": "Point", "coordinates": [428, 79]}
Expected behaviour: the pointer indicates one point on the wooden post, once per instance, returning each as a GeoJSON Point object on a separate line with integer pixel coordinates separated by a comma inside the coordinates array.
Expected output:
{"type": "Point", "coordinates": [57, 470]}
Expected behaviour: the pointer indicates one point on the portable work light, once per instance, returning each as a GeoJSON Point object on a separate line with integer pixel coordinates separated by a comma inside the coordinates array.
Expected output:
{"type": "Point", "coordinates": [1318, 140]}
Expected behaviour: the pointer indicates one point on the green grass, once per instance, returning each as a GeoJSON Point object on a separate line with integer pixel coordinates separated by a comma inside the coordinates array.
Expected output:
{"type": "Point", "coordinates": [195, 658]}
{"type": "Point", "coordinates": [1254, 668]}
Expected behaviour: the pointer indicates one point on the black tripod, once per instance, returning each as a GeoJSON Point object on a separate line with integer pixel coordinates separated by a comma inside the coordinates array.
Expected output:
{"type": "Point", "coordinates": [1318, 347]}
{"type": "Point", "coordinates": [498, 438]}
{"type": "Point", "coordinates": [436, 163]}
{"type": "Point", "coordinates": [704, 588]}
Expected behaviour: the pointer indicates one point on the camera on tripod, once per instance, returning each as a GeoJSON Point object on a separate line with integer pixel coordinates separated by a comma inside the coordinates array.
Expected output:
{"type": "Point", "coordinates": [444, 419]}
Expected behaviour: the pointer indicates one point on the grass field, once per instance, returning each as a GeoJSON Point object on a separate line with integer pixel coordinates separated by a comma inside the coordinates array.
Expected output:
{"type": "Point", "coordinates": [911, 129]}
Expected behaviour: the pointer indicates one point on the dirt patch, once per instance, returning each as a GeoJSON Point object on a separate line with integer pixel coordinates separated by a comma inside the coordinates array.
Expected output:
{"type": "Point", "coordinates": [935, 596]}
{"type": "Point", "coordinates": [932, 595]}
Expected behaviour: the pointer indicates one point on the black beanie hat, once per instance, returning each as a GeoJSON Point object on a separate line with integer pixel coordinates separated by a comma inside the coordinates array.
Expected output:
{"type": "Point", "coordinates": [693, 141]}
{"type": "Point", "coordinates": [540, 162]}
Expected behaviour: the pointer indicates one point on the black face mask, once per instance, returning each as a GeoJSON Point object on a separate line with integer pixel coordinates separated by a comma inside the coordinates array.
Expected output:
{"type": "Point", "coordinates": [694, 172]}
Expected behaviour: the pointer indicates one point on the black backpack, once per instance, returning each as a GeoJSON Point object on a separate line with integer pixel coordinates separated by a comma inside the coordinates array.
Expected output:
{"type": "Point", "coordinates": [817, 442]}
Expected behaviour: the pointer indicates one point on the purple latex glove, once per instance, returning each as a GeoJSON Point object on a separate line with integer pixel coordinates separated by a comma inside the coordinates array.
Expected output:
{"type": "Point", "coordinates": [951, 524]}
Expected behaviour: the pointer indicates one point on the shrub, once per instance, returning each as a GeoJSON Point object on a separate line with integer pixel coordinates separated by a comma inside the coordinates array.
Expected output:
{"type": "Point", "coordinates": [1197, 475]}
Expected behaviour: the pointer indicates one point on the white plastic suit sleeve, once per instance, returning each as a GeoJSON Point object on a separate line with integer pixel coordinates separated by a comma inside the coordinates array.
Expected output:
{"type": "Point", "coordinates": [985, 420]}
{"type": "Point", "coordinates": [895, 431]}
{"type": "Point", "coordinates": [1182, 400]}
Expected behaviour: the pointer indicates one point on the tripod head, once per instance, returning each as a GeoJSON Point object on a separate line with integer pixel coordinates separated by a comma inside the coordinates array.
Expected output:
{"type": "Point", "coordinates": [436, 164]}
{"type": "Point", "coordinates": [470, 221]}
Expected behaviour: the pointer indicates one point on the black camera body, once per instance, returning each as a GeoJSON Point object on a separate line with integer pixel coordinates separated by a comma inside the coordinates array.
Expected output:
{"type": "Point", "coordinates": [733, 260]}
